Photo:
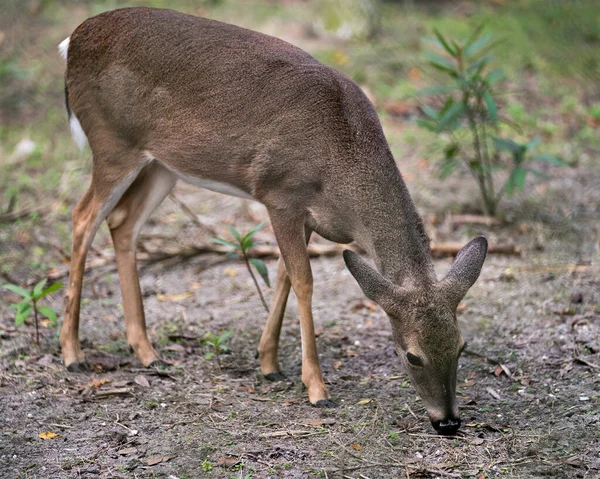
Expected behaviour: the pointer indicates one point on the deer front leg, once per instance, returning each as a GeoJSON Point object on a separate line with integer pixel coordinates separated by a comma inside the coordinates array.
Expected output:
{"type": "Point", "coordinates": [292, 244]}
{"type": "Point", "coordinates": [269, 341]}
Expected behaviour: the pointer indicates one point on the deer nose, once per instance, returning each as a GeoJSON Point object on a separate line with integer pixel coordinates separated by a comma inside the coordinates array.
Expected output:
{"type": "Point", "coordinates": [447, 427]}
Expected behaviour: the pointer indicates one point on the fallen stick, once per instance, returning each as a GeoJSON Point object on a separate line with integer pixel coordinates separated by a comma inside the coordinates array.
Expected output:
{"type": "Point", "coordinates": [458, 220]}
{"type": "Point", "coordinates": [187, 210]}
{"type": "Point", "coordinates": [266, 251]}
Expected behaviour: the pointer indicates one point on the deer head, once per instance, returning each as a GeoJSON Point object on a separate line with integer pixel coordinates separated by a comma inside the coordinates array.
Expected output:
{"type": "Point", "coordinates": [425, 330]}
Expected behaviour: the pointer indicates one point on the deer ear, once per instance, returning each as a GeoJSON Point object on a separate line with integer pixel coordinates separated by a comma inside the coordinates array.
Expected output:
{"type": "Point", "coordinates": [465, 270]}
{"type": "Point", "coordinates": [374, 285]}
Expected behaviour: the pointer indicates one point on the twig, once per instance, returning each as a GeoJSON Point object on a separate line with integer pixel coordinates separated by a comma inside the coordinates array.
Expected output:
{"type": "Point", "coordinates": [262, 298]}
{"type": "Point", "coordinates": [587, 363]}
{"type": "Point", "coordinates": [458, 220]}
{"type": "Point", "coordinates": [62, 426]}
{"type": "Point", "coordinates": [468, 352]}
{"type": "Point", "coordinates": [268, 251]}
{"type": "Point", "coordinates": [186, 209]}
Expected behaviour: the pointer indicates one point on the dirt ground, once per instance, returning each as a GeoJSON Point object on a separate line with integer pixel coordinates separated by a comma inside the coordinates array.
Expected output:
{"type": "Point", "coordinates": [529, 383]}
{"type": "Point", "coordinates": [528, 388]}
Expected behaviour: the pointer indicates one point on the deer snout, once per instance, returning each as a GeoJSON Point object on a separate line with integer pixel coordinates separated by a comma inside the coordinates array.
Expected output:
{"type": "Point", "coordinates": [446, 427]}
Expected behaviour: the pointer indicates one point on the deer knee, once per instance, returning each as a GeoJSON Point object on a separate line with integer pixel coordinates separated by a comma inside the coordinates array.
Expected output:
{"type": "Point", "coordinates": [303, 287]}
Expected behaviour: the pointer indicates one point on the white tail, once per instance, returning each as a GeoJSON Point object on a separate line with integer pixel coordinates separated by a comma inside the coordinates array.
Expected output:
{"type": "Point", "coordinates": [161, 95]}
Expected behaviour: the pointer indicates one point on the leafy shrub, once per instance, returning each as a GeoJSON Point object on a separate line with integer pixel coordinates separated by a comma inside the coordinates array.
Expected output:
{"type": "Point", "coordinates": [29, 304]}
{"type": "Point", "coordinates": [241, 248]}
{"type": "Point", "coordinates": [468, 116]}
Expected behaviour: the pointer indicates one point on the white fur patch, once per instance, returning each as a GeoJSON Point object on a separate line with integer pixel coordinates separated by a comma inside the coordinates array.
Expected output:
{"type": "Point", "coordinates": [77, 132]}
{"type": "Point", "coordinates": [63, 47]}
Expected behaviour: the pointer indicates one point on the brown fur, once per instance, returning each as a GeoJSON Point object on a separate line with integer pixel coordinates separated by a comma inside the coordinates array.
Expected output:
{"type": "Point", "coordinates": [213, 101]}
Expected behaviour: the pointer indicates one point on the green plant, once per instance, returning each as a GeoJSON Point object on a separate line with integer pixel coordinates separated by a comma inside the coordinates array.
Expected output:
{"type": "Point", "coordinates": [29, 303]}
{"type": "Point", "coordinates": [217, 343]}
{"type": "Point", "coordinates": [469, 113]}
{"type": "Point", "coordinates": [241, 248]}
{"type": "Point", "coordinates": [206, 466]}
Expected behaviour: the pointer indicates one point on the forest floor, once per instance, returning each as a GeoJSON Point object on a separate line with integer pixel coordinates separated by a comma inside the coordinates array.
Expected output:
{"type": "Point", "coordinates": [528, 386]}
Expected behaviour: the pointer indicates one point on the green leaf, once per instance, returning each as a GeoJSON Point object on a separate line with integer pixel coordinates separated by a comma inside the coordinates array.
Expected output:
{"type": "Point", "coordinates": [520, 174]}
{"type": "Point", "coordinates": [247, 243]}
{"type": "Point", "coordinates": [235, 233]}
{"type": "Point", "coordinates": [442, 64]}
{"type": "Point", "coordinates": [512, 124]}
{"type": "Point", "coordinates": [476, 68]}
{"type": "Point", "coordinates": [507, 145]}
{"type": "Point", "coordinates": [474, 36]}
{"type": "Point", "coordinates": [209, 355]}
{"type": "Point", "coordinates": [427, 124]}
{"type": "Point", "coordinates": [494, 76]}
{"type": "Point", "coordinates": [17, 289]}
{"type": "Point", "coordinates": [38, 288]}
{"type": "Point", "coordinates": [534, 143]}
{"type": "Point", "coordinates": [555, 160]}
{"type": "Point", "coordinates": [484, 43]}
{"type": "Point", "coordinates": [253, 231]}
{"type": "Point", "coordinates": [48, 312]}
{"type": "Point", "coordinates": [451, 114]}
{"type": "Point", "coordinates": [261, 267]}
{"type": "Point", "coordinates": [22, 315]}
{"type": "Point", "coordinates": [444, 43]}
{"type": "Point", "coordinates": [225, 336]}
{"type": "Point", "coordinates": [437, 90]}
{"type": "Point", "coordinates": [516, 180]}
{"type": "Point", "coordinates": [431, 112]}
{"type": "Point", "coordinates": [50, 289]}
{"type": "Point", "coordinates": [225, 243]}
{"type": "Point", "coordinates": [491, 106]}
{"type": "Point", "coordinates": [447, 167]}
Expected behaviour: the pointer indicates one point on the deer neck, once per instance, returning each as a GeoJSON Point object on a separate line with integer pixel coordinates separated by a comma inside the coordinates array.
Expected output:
{"type": "Point", "coordinates": [393, 234]}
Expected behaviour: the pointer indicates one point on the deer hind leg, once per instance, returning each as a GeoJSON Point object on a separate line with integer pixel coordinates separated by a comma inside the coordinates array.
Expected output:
{"type": "Point", "coordinates": [269, 341]}
{"type": "Point", "coordinates": [150, 188]}
{"type": "Point", "coordinates": [290, 234]}
{"type": "Point", "coordinates": [93, 208]}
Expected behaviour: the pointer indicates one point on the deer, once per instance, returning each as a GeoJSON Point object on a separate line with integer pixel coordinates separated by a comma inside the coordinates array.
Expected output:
{"type": "Point", "coordinates": [162, 96]}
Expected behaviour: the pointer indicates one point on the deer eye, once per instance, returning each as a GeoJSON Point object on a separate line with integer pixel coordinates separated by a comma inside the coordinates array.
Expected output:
{"type": "Point", "coordinates": [414, 360]}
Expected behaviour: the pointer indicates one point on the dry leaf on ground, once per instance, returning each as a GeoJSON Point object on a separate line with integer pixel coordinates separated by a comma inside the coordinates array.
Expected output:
{"type": "Point", "coordinates": [152, 461]}
{"type": "Point", "coordinates": [142, 381]}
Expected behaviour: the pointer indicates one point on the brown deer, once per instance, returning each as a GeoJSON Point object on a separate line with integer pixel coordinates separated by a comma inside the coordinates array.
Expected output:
{"type": "Point", "coordinates": [160, 95]}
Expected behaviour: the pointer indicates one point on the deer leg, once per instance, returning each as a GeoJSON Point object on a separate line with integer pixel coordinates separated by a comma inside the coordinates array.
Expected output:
{"type": "Point", "coordinates": [85, 225]}
{"type": "Point", "coordinates": [290, 236]}
{"type": "Point", "coordinates": [94, 206]}
{"type": "Point", "coordinates": [150, 188]}
{"type": "Point", "coordinates": [269, 341]}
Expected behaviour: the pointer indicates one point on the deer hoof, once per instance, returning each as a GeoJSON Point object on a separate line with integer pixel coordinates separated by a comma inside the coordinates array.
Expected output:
{"type": "Point", "coordinates": [159, 364]}
{"type": "Point", "coordinates": [80, 367]}
{"type": "Point", "coordinates": [278, 376]}
{"type": "Point", "coordinates": [325, 404]}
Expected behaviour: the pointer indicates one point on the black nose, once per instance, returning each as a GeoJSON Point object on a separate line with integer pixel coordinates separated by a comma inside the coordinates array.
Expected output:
{"type": "Point", "coordinates": [447, 427]}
